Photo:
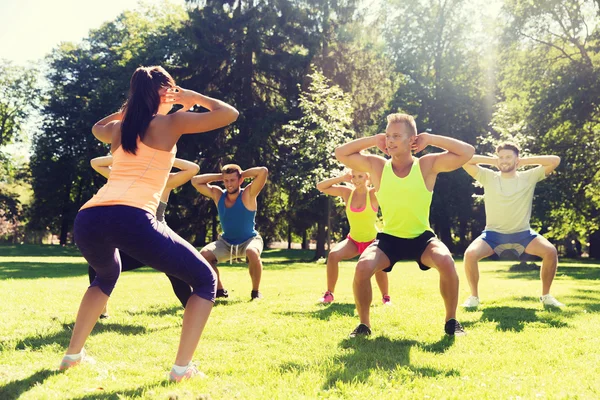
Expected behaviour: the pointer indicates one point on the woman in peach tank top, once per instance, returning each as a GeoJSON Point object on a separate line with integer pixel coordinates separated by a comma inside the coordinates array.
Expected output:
{"type": "Point", "coordinates": [121, 216]}
{"type": "Point", "coordinates": [357, 199]}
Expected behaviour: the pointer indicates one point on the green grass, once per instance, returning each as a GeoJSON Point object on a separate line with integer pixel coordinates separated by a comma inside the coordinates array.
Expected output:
{"type": "Point", "coordinates": [288, 347]}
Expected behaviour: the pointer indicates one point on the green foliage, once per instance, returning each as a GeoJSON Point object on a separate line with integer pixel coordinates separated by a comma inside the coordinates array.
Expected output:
{"type": "Point", "coordinates": [324, 125]}
{"type": "Point", "coordinates": [549, 91]}
{"type": "Point", "coordinates": [444, 86]}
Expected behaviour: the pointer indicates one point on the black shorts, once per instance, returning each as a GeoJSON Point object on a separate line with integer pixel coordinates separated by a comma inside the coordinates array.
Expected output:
{"type": "Point", "coordinates": [398, 249]}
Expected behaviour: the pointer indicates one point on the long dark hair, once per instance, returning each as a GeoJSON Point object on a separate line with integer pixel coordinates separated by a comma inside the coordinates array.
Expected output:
{"type": "Point", "coordinates": [142, 103]}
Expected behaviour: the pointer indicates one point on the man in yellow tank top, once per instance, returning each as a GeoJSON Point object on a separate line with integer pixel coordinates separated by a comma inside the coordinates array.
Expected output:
{"type": "Point", "coordinates": [404, 186]}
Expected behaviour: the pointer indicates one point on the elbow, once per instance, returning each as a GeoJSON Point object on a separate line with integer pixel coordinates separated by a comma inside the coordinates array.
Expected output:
{"type": "Point", "coordinates": [556, 161]}
{"type": "Point", "coordinates": [338, 153]}
{"type": "Point", "coordinates": [264, 171]}
{"type": "Point", "coordinates": [195, 181]}
{"type": "Point", "coordinates": [469, 153]}
{"type": "Point", "coordinates": [234, 114]}
{"type": "Point", "coordinates": [196, 169]}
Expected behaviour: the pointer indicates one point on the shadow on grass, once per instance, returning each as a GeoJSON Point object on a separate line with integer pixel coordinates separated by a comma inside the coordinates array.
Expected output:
{"type": "Point", "coordinates": [365, 356]}
{"type": "Point", "coordinates": [14, 389]}
{"type": "Point", "coordinates": [63, 336]}
{"type": "Point", "coordinates": [143, 391]}
{"type": "Point", "coordinates": [532, 271]}
{"type": "Point", "coordinates": [157, 311]}
{"type": "Point", "coordinates": [34, 270]}
{"type": "Point", "coordinates": [325, 312]}
{"type": "Point", "coordinates": [31, 250]}
{"type": "Point", "coordinates": [516, 318]}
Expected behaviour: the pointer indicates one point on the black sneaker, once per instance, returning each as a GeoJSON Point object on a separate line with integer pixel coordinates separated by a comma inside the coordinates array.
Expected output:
{"type": "Point", "coordinates": [361, 330]}
{"type": "Point", "coordinates": [454, 328]}
{"type": "Point", "coordinates": [222, 293]}
{"type": "Point", "coordinates": [255, 295]}
{"type": "Point", "coordinates": [104, 316]}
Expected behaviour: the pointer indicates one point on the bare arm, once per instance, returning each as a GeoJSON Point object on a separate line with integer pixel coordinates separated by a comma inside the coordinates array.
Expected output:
{"type": "Point", "coordinates": [220, 113]}
{"type": "Point", "coordinates": [331, 186]}
{"type": "Point", "coordinates": [259, 178]}
{"type": "Point", "coordinates": [456, 155]}
{"type": "Point", "coordinates": [471, 165]}
{"type": "Point", "coordinates": [548, 162]}
{"type": "Point", "coordinates": [103, 128]}
{"type": "Point", "coordinates": [187, 170]}
{"type": "Point", "coordinates": [350, 155]}
{"type": "Point", "coordinates": [202, 183]}
{"type": "Point", "coordinates": [102, 165]}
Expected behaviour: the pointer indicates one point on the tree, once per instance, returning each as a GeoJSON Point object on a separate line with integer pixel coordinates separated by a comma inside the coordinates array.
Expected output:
{"type": "Point", "coordinates": [443, 85]}
{"type": "Point", "coordinates": [549, 89]}
{"type": "Point", "coordinates": [325, 124]}
{"type": "Point", "coordinates": [87, 82]}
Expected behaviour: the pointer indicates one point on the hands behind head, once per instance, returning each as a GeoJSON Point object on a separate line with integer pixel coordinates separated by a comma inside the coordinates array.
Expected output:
{"type": "Point", "coordinates": [380, 139]}
{"type": "Point", "coordinates": [347, 177]}
{"type": "Point", "coordinates": [177, 95]}
{"type": "Point", "coordinates": [421, 141]}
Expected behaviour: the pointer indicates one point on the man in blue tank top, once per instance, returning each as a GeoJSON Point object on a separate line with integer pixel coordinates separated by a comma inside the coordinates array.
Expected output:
{"type": "Point", "coordinates": [237, 212]}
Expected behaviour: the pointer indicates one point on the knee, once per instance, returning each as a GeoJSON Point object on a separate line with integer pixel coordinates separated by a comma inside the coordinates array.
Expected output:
{"type": "Point", "coordinates": [471, 255]}
{"type": "Point", "coordinates": [364, 271]}
{"type": "Point", "coordinates": [334, 256]}
{"type": "Point", "coordinates": [550, 253]}
{"type": "Point", "coordinates": [209, 257]}
{"type": "Point", "coordinates": [445, 264]}
{"type": "Point", "coordinates": [253, 255]}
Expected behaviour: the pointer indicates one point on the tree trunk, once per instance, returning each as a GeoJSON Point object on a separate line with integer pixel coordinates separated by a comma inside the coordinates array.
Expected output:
{"type": "Point", "coordinates": [289, 236]}
{"type": "Point", "coordinates": [594, 249]}
{"type": "Point", "coordinates": [328, 237]}
{"type": "Point", "coordinates": [304, 240]}
{"type": "Point", "coordinates": [66, 217]}
{"type": "Point", "coordinates": [215, 229]}
{"type": "Point", "coordinates": [321, 234]}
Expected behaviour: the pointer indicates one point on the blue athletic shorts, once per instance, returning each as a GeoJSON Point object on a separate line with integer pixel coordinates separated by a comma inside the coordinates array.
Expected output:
{"type": "Point", "coordinates": [508, 245]}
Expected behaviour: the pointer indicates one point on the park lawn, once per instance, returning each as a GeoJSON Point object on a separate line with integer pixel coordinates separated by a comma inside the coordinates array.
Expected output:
{"type": "Point", "coordinates": [286, 346]}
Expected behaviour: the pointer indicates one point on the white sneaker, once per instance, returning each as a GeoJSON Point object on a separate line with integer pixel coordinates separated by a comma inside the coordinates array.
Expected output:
{"type": "Point", "coordinates": [472, 302]}
{"type": "Point", "coordinates": [549, 300]}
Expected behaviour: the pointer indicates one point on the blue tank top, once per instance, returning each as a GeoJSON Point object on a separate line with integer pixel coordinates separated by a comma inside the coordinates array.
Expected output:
{"type": "Point", "coordinates": [237, 222]}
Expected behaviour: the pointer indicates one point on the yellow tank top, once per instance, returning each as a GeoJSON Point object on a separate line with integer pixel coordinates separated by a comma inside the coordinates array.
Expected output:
{"type": "Point", "coordinates": [362, 222]}
{"type": "Point", "coordinates": [404, 202]}
{"type": "Point", "coordinates": [136, 180]}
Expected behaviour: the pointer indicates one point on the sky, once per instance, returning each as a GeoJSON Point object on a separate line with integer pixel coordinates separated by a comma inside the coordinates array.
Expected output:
{"type": "Point", "coordinates": [30, 29]}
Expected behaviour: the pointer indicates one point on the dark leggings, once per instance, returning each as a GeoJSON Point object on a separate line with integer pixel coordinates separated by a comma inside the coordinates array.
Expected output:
{"type": "Point", "coordinates": [182, 290]}
{"type": "Point", "coordinates": [100, 232]}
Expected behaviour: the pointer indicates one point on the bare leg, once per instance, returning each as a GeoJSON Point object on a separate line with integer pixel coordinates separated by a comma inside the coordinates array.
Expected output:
{"type": "Point", "coordinates": [437, 256]}
{"type": "Point", "coordinates": [383, 282]}
{"type": "Point", "coordinates": [195, 316]}
{"type": "Point", "coordinates": [476, 251]}
{"type": "Point", "coordinates": [541, 247]}
{"type": "Point", "coordinates": [92, 304]}
{"type": "Point", "coordinates": [255, 267]}
{"type": "Point", "coordinates": [371, 261]}
{"type": "Point", "coordinates": [344, 250]}
{"type": "Point", "coordinates": [212, 260]}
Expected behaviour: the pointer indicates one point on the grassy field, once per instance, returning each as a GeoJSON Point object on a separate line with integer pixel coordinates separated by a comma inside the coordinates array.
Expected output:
{"type": "Point", "coordinates": [287, 346]}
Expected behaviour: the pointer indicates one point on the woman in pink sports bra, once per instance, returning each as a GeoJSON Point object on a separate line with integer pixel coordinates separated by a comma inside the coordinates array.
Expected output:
{"type": "Point", "coordinates": [361, 211]}
{"type": "Point", "coordinates": [122, 215]}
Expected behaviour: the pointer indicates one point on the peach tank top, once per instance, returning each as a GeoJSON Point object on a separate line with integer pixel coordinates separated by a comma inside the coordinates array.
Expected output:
{"type": "Point", "coordinates": [136, 180]}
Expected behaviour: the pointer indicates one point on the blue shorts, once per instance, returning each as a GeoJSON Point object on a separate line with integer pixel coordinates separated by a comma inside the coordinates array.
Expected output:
{"type": "Point", "coordinates": [508, 245]}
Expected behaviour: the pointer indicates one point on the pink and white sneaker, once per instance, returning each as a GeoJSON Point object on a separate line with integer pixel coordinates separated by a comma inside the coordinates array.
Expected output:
{"type": "Point", "coordinates": [72, 360]}
{"type": "Point", "coordinates": [327, 298]}
{"type": "Point", "coordinates": [386, 300]}
{"type": "Point", "coordinates": [190, 372]}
